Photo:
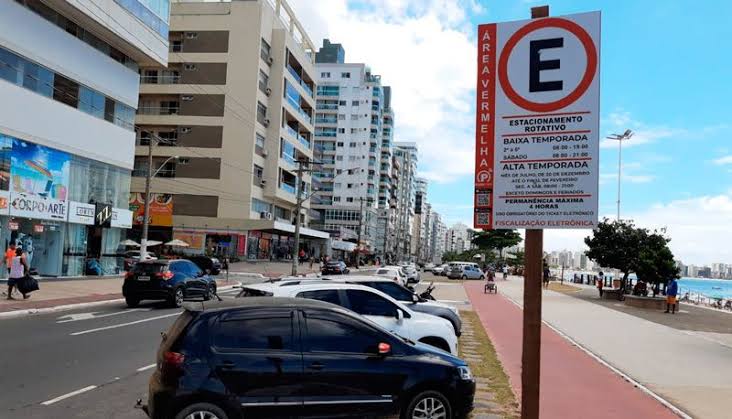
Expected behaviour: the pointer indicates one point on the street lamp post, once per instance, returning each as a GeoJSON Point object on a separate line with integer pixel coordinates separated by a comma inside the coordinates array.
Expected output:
{"type": "Point", "coordinates": [146, 214]}
{"type": "Point", "coordinates": [620, 138]}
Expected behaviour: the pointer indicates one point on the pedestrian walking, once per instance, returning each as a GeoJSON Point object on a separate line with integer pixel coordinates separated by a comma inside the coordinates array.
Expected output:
{"type": "Point", "coordinates": [18, 270]}
{"type": "Point", "coordinates": [9, 255]}
{"type": "Point", "coordinates": [599, 284]}
{"type": "Point", "coordinates": [312, 260]}
{"type": "Point", "coordinates": [547, 272]}
{"type": "Point", "coordinates": [672, 290]}
{"type": "Point", "coordinates": [505, 272]}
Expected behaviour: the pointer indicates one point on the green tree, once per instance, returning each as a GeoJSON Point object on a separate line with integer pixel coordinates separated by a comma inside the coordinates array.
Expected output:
{"type": "Point", "coordinates": [496, 239]}
{"type": "Point", "coordinates": [623, 246]}
{"type": "Point", "coordinates": [517, 259]}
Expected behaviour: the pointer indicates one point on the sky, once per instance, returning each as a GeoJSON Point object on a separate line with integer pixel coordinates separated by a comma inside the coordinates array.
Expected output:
{"type": "Point", "coordinates": [665, 73]}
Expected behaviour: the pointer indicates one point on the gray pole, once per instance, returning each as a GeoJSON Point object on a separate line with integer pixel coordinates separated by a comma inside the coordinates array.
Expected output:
{"type": "Point", "coordinates": [145, 220]}
{"type": "Point", "coordinates": [298, 204]}
{"type": "Point", "coordinates": [620, 154]}
{"type": "Point", "coordinates": [360, 226]}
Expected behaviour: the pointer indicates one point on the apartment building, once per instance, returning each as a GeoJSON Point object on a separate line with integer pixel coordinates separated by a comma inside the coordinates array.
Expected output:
{"type": "Point", "coordinates": [459, 238]}
{"type": "Point", "coordinates": [69, 87]}
{"type": "Point", "coordinates": [227, 124]}
{"type": "Point", "coordinates": [404, 172]}
{"type": "Point", "coordinates": [348, 140]}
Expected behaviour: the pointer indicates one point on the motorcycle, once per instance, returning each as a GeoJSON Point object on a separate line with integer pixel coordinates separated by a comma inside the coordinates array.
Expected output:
{"type": "Point", "coordinates": [427, 294]}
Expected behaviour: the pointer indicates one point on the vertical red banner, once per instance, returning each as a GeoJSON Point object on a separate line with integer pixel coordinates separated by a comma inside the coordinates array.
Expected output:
{"type": "Point", "coordinates": [485, 127]}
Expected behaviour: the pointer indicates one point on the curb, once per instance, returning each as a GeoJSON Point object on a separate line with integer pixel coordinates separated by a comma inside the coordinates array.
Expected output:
{"type": "Point", "coordinates": [45, 310]}
{"type": "Point", "coordinates": [677, 411]}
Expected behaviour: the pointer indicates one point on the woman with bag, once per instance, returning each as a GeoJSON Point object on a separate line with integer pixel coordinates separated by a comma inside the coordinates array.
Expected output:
{"type": "Point", "coordinates": [18, 269]}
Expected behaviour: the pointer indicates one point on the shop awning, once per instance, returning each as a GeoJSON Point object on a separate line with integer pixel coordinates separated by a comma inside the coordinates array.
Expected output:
{"type": "Point", "coordinates": [341, 245]}
{"type": "Point", "coordinates": [279, 226]}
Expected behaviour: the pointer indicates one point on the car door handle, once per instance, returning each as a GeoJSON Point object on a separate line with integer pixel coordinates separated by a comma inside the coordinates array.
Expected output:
{"type": "Point", "coordinates": [316, 366]}
{"type": "Point", "coordinates": [227, 365]}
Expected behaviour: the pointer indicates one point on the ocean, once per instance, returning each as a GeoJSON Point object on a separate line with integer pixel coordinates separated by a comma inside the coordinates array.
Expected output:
{"type": "Point", "coordinates": [714, 288]}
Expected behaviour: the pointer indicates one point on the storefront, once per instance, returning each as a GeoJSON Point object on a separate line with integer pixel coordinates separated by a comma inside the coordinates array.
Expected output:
{"type": "Point", "coordinates": [277, 242]}
{"type": "Point", "coordinates": [48, 205]}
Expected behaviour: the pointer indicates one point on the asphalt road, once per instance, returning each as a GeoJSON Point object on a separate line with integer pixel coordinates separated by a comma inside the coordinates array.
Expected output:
{"type": "Point", "coordinates": [86, 363]}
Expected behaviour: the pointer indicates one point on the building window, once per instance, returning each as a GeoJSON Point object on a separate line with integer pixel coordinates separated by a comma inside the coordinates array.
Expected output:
{"type": "Point", "coordinates": [349, 199]}
{"type": "Point", "coordinates": [339, 144]}
{"type": "Point", "coordinates": [354, 130]}
{"type": "Point", "coordinates": [342, 103]}
{"type": "Point", "coordinates": [176, 45]}
{"type": "Point", "coordinates": [346, 75]}
{"type": "Point", "coordinates": [352, 144]}
{"type": "Point", "coordinates": [336, 199]}
{"type": "Point", "coordinates": [258, 175]}
{"type": "Point", "coordinates": [259, 144]}
{"type": "Point", "coordinates": [261, 113]}
{"type": "Point", "coordinates": [354, 103]}
{"type": "Point", "coordinates": [341, 130]}
{"type": "Point", "coordinates": [350, 186]}
{"type": "Point", "coordinates": [354, 117]}
{"type": "Point", "coordinates": [260, 206]}
{"type": "Point", "coordinates": [336, 186]}
{"type": "Point", "coordinates": [325, 75]}
{"type": "Point", "coordinates": [341, 117]}
{"type": "Point", "coordinates": [352, 158]}
{"type": "Point", "coordinates": [263, 81]}
{"type": "Point", "coordinates": [339, 158]}
{"type": "Point", "coordinates": [264, 51]}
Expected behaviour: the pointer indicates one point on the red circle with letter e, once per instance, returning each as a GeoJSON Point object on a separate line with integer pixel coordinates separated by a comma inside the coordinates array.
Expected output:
{"type": "Point", "coordinates": [551, 22]}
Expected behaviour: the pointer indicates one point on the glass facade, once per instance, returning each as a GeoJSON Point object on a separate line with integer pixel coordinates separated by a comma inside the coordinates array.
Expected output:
{"type": "Point", "coordinates": [155, 14]}
{"type": "Point", "coordinates": [55, 247]}
{"type": "Point", "coordinates": [23, 72]}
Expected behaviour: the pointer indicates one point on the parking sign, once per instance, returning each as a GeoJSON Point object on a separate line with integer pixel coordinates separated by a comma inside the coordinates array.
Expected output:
{"type": "Point", "coordinates": [537, 123]}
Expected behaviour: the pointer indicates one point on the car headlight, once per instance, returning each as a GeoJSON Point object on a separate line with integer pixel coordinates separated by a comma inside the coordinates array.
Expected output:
{"type": "Point", "coordinates": [465, 373]}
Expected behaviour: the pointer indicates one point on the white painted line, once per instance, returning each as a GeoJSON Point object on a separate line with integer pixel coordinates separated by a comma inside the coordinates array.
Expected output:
{"type": "Point", "coordinates": [89, 316]}
{"type": "Point", "coordinates": [115, 326]}
{"type": "Point", "coordinates": [678, 412]}
{"type": "Point", "coordinates": [146, 367]}
{"type": "Point", "coordinates": [67, 395]}
{"type": "Point", "coordinates": [453, 301]}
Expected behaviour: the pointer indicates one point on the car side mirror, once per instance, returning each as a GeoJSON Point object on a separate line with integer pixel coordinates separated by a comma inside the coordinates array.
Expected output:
{"type": "Point", "coordinates": [415, 298]}
{"type": "Point", "coordinates": [400, 316]}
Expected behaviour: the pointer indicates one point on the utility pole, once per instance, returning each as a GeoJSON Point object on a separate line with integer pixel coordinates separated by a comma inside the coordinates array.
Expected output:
{"type": "Point", "coordinates": [620, 138]}
{"type": "Point", "coordinates": [360, 226]}
{"type": "Point", "coordinates": [301, 164]}
{"type": "Point", "coordinates": [146, 213]}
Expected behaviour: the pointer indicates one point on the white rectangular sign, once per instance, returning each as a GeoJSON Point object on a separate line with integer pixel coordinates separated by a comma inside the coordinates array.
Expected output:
{"type": "Point", "coordinates": [121, 218]}
{"type": "Point", "coordinates": [81, 213]}
{"type": "Point", "coordinates": [537, 123]}
{"type": "Point", "coordinates": [31, 206]}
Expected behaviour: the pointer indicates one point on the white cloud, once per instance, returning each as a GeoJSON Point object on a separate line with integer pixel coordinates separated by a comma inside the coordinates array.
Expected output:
{"type": "Point", "coordinates": [425, 51]}
{"type": "Point", "coordinates": [723, 160]}
{"type": "Point", "coordinates": [700, 229]}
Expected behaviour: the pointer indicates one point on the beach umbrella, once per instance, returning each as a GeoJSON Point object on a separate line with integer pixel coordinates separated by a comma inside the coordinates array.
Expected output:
{"type": "Point", "coordinates": [129, 242]}
{"type": "Point", "coordinates": [151, 243]}
{"type": "Point", "coordinates": [177, 243]}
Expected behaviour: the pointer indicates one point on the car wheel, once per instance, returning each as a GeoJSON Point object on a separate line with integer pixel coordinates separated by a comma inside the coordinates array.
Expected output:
{"type": "Point", "coordinates": [177, 299]}
{"type": "Point", "coordinates": [429, 404]}
{"type": "Point", "coordinates": [202, 411]}
{"type": "Point", "coordinates": [210, 293]}
{"type": "Point", "coordinates": [132, 302]}
{"type": "Point", "coordinates": [482, 277]}
{"type": "Point", "coordinates": [465, 277]}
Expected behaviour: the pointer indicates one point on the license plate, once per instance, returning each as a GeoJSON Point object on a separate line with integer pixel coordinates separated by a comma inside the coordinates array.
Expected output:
{"type": "Point", "coordinates": [143, 278]}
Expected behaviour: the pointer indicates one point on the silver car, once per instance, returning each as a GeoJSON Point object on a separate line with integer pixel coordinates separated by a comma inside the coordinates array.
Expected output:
{"type": "Point", "coordinates": [465, 272]}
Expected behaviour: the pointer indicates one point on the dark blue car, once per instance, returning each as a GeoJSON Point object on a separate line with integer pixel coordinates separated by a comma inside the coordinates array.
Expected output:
{"type": "Point", "coordinates": [170, 280]}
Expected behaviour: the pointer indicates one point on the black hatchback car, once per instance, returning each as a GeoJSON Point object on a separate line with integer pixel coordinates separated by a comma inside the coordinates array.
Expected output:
{"type": "Point", "coordinates": [171, 280]}
{"type": "Point", "coordinates": [265, 357]}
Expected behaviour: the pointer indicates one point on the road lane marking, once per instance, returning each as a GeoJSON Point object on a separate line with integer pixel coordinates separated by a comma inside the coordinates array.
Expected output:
{"type": "Point", "coordinates": [115, 326]}
{"type": "Point", "coordinates": [146, 367]}
{"type": "Point", "coordinates": [67, 395]}
{"type": "Point", "coordinates": [91, 315]}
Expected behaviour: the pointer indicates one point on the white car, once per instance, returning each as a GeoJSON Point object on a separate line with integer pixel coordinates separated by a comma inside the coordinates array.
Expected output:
{"type": "Point", "coordinates": [438, 270]}
{"type": "Point", "coordinates": [373, 304]}
{"type": "Point", "coordinates": [392, 272]}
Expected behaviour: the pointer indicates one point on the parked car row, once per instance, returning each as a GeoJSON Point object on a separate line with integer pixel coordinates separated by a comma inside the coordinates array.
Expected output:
{"type": "Point", "coordinates": [263, 357]}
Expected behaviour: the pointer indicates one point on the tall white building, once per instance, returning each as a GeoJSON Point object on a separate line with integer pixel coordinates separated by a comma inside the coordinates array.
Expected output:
{"type": "Point", "coordinates": [459, 238]}
{"type": "Point", "coordinates": [69, 85]}
{"type": "Point", "coordinates": [348, 140]}
{"type": "Point", "coordinates": [405, 162]}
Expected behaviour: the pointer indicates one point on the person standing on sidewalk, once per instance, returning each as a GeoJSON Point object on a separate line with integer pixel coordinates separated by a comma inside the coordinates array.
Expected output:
{"type": "Point", "coordinates": [18, 270]}
{"type": "Point", "coordinates": [505, 272]}
{"type": "Point", "coordinates": [9, 255]}
{"type": "Point", "coordinates": [672, 290]}
{"type": "Point", "coordinates": [599, 283]}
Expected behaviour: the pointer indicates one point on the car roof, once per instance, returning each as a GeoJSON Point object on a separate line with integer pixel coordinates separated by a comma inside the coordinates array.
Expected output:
{"type": "Point", "coordinates": [256, 302]}
{"type": "Point", "coordinates": [359, 278]}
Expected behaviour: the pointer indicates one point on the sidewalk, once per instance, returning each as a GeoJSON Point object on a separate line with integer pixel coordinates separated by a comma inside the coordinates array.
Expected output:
{"type": "Point", "coordinates": [573, 384]}
{"type": "Point", "coordinates": [62, 293]}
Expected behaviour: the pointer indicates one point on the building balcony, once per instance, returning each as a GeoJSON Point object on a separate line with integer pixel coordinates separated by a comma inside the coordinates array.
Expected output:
{"type": "Point", "coordinates": [300, 81]}
{"type": "Point", "coordinates": [322, 120]}
{"type": "Point", "coordinates": [297, 136]}
{"type": "Point", "coordinates": [296, 106]}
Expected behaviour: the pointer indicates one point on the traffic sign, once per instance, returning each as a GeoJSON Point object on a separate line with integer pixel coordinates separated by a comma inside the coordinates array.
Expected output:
{"type": "Point", "coordinates": [537, 123]}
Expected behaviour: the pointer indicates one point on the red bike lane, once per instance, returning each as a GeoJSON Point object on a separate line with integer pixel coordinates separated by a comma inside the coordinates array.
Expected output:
{"type": "Point", "coordinates": [573, 384]}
